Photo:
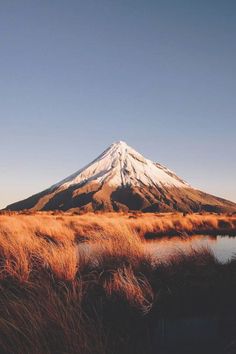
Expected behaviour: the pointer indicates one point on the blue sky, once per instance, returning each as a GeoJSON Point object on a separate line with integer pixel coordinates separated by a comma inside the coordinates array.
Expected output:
{"type": "Point", "coordinates": [77, 75]}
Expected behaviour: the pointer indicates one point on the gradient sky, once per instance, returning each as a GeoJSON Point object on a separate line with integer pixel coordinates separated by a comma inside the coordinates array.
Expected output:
{"type": "Point", "coordinates": [77, 75]}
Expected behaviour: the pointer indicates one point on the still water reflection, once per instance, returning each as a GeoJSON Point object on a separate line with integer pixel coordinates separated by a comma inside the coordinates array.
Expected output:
{"type": "Point", "coordinates": [223, 247]}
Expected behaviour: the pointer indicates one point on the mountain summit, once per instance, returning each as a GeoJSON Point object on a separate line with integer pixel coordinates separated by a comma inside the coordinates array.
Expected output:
{"type": "Point", "coordinates": [122, 179]}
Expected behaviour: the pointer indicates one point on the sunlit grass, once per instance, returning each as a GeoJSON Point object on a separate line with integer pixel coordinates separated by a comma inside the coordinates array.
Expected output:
{"type": "Point", "coordinates": [87, 283]}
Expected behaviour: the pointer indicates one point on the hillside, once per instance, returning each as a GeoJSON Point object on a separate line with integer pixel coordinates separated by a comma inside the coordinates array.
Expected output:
{"type": "Point", "coordinates": [122, 179]}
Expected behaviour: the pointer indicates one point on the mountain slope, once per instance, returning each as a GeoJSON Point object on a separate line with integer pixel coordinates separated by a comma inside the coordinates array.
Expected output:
{"type": "Point", "coordinates": [122, 179]}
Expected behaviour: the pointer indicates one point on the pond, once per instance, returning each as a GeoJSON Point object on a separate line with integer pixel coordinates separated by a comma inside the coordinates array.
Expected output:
{"type": "Point", "coordinates": [223, 247]}
{"type": "Point", "coordinates": [192, 335]}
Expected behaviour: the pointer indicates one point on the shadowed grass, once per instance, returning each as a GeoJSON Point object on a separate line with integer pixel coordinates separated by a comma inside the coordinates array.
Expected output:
{"type": "Point", "coordinates": [70, 286]}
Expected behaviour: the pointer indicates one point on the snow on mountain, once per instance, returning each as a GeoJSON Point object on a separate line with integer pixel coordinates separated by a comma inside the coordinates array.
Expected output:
{"type": "Point", "coordinates": [121, 165]}
{"type": "Point", "coordinates": [122, 179]}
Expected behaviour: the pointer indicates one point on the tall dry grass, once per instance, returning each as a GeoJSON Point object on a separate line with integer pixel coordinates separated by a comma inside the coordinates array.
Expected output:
{"type": "Point", "coordinates": [86, 283]}
{"type": "Point", "coordinates": [63, 227]}
{"type": "Point", "coordinates": [53, 291]}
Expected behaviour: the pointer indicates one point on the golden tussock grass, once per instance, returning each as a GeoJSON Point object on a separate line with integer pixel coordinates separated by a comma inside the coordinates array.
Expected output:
{"type": "Point", "coordinates": [66, 244]}
{"type": "Point", "coordinates": [85, 283]}
{"type": "Point", "coordinates": [61, 227]}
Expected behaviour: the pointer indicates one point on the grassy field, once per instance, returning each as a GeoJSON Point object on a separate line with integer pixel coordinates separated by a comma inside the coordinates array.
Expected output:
{"type": "Point", "coordinates": [66, 226]}
{"type": "Point", "coordinates": [86, 283]}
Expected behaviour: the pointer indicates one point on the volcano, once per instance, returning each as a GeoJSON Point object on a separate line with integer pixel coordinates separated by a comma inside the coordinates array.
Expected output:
{"type": "Point", "coordinates": [121, 179]}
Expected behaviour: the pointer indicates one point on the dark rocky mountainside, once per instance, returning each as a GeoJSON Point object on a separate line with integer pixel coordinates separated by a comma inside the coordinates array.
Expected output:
{"type": "Point", "coordinates": [122, 179]}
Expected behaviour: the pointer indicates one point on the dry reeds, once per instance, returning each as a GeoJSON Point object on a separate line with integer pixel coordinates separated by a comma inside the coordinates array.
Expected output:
{"type": "Point", "coordinates": [86, 283]}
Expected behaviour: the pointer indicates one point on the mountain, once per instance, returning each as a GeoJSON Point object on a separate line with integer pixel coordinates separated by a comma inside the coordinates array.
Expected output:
{"type": "Point", "coordinates": [122, 179]}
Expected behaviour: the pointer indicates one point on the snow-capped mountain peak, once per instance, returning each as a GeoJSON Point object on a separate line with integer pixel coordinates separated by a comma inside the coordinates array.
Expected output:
{"type": "Point", "coordinates": [121, 165]}
{"type": "Point", "coordinates": [123, 179]}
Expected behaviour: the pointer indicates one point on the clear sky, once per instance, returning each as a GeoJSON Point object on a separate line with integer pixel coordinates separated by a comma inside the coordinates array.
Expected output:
{"type": "Point", "coordinates": [77, 75]}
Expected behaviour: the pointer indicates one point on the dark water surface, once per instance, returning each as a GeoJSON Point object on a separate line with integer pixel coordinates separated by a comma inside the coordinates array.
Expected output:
{"type": "Point", "coordinates": [193, 335]}
{"type": "Point", "coordinates": [210, 334]}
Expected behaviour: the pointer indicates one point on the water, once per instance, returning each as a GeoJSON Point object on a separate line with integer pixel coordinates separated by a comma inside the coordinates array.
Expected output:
{"type": "Point", "coordinates": [223, 247]}
{"type": "Point", "coordinates": [192, 335]}
{"type": "Point", "coordinates": [203, 334]}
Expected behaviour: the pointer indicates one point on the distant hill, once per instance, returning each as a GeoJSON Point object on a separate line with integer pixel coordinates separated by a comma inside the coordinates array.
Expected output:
{"type": "Point", "coordinates": [122, 179]}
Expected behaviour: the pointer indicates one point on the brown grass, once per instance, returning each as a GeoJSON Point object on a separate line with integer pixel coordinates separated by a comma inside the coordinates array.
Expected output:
{"type": "Point", "coordinates": [86, 283]}
{"type": "Point", "coordinates": [63, 227]}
